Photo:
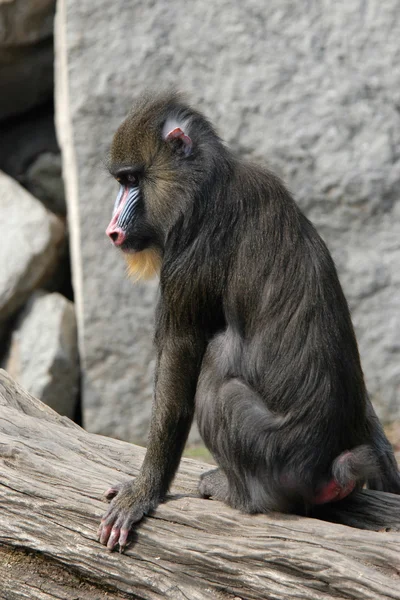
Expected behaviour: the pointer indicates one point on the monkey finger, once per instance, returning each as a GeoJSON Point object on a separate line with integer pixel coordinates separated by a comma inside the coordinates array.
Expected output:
{"type": "Point", "coordinates": [111, 492]}
{"type": "Point", "coordinates": [107, 522]}
{"type": "Point", "coordinates": [114, 537]}
{"type": "Point", "coordinates": [104, 533]}
{"type": "Point", "coordinates": [123, 538]}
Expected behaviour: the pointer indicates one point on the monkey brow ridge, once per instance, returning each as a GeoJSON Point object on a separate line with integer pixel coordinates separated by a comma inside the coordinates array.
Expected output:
{"type": "Point", "coordinates": [118, 169]}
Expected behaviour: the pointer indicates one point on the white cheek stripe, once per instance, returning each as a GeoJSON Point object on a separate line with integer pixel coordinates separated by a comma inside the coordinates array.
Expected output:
{"type": "Point", "coordinates": [118, 198]}
{"type": "Point", "coordinates": [129, 208]}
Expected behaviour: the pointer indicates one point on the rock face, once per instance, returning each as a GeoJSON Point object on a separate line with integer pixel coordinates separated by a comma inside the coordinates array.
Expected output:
{"type": "Point", "coordinates": [43, 353]}
{"type": "Point", "coordinates": [30, 240]}
{"type": "Point", "coordinates": [23, 23]}
{"type": "Point", "coordinates": [26, 54]}
{"type": "Point", "coordinates": [315, 94]}
{"type": "Point", "coordinates": [29, 153]}
{"type": "Point", "coordinates": [24, 139]}
{"type": "Point", "coordinates": [44, 180]}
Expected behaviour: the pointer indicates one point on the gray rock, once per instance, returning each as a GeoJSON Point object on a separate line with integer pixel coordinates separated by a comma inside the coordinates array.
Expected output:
{"type": "Point", "coordinates": [24, 139]}
{"type": "Point", "coordinates": [23, 23]}
{"type": "Point", "coordinates": [43, 353]}
{"type": "Point", "coordinates": [44, 180]}
{"type": "Point", "coordinates": [29, 153]}
{"type": "Point", "coordinates": [26, 54]}
{"type": "Point", "coordinates": [30, 239]}
{"type": "Point", "coordinates": [315, 93]}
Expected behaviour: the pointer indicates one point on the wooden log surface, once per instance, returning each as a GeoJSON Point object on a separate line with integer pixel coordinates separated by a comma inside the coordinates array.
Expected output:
{"type": "Point", "coordinates": [53, 475]}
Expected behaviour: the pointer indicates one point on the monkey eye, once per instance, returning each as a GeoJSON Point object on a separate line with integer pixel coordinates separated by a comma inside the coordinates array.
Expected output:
{"type": "Point", "coordinates": [131, 179]}
{"type": "Point", "coordinates": [128, 179]}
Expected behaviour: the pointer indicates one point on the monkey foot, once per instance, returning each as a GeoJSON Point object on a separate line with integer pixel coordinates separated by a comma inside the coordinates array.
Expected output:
{"type": "Point", "coordinates": [214, 484]}
{"type": "Point", "coordinates": [125, 510]}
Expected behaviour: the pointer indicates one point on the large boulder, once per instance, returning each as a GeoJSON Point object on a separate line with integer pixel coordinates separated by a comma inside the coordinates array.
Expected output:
{"type": "Point", "coordinates": [26, 54]}
{"type": "Point", "coordinates": [43, 354]}
{"type": "Point", "coordinates": [30, 242]}
{"type": "Point", "coordinates": [315, 93]}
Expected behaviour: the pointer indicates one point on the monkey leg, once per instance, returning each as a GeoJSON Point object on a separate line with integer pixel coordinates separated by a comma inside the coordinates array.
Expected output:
{"type": "Point", "coordinates": [236, 425]}
{"type": "Point", "coordinates": [388, 478]}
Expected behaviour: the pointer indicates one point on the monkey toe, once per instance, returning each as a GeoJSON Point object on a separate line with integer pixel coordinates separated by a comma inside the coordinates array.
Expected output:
{"type": "Point", "coordinates": [204, 490]}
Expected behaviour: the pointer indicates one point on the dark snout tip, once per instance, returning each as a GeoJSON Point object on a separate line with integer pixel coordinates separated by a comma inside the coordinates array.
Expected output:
{"type": "Point", "coordinates": [116, 235]}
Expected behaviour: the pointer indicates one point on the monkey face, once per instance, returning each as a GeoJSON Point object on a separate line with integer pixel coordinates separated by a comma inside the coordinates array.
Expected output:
{"type": "Point", "coordinates": [130, 230]}
{"type": "Point", "coordinates": [158, 157]}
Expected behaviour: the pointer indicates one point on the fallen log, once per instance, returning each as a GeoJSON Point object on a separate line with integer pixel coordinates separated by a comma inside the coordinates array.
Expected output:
{"type": "Point", "coordinates": [53, 474]}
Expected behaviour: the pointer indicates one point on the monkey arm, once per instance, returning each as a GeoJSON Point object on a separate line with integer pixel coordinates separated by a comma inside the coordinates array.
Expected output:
{"type": "Point", "coordinates": [177, 372]}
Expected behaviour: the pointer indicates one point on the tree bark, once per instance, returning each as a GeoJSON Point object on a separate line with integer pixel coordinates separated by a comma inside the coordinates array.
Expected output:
{"type": "Point", "coordinates": [53, 474]}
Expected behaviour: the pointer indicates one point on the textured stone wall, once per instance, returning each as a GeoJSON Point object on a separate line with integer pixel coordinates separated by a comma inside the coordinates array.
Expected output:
{"type": "Point", "coordinates": [26, 54]}
{"type": "Point", "coordinates": [38, 338]}
{"type": "Point", "coordinates": [310, 88]}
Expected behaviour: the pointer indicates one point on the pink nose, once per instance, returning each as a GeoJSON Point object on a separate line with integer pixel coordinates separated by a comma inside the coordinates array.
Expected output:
{"type": "Point", "coordinates": [116, 235]}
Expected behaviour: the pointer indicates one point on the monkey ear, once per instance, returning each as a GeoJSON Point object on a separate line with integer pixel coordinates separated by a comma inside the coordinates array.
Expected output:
{"type": "Point", "coordinates": [179, 140]}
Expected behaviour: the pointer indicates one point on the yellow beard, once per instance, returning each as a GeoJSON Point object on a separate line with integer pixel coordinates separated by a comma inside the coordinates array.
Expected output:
{"type": "Point", "coordinates": [143, 265]}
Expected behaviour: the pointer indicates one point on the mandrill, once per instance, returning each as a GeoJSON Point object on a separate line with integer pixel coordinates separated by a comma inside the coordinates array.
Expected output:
{"type": "Point", "coordinates": [253, 332]}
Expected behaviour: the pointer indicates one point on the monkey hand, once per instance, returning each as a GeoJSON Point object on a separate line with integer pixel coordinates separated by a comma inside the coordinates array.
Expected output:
{"type": "Point", "coordinates": [128, 506]}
